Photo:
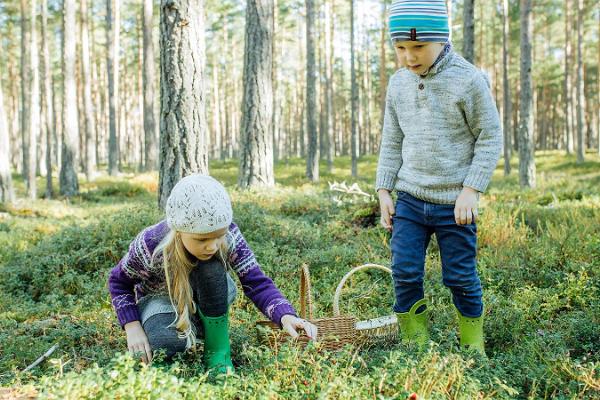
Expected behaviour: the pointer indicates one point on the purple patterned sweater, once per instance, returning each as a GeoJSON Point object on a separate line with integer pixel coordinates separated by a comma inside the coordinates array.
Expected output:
{"type": "Point", "coordinates": [134, 277]}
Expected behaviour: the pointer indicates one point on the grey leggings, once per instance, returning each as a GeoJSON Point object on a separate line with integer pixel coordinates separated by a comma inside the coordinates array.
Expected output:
{"type": "Point", "coordinates": [209, 282]}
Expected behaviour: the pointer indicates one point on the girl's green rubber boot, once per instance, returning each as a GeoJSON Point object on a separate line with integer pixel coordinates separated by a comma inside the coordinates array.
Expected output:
{"type": "Point", "coordinates": [413, 326]}
{"type": "Point", "coordinates": [217, 350]}
{"type": "Point", "coordinates": [471, 332]}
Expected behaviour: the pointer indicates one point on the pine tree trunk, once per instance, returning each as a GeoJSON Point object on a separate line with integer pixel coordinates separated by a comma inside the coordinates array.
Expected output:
{"type": "Point", "coordinates": [69, 185]}
{"type": "Point", "coordinates": [6, 186]}
{"type": "Point", "coordinates": [580, 92]}
{"type": "Point", "coordinates": [567, 83]}
{"type": "Point", "coordinates": [382, 64]}
{"type": "Point", "coordinates": [469, 31]}
{"type": "Point", "coordinates": [90, 122]}
{"type": "Point", "coordinates": [329, 85]}
{"type": "Point", "coordinates": [526, 134]}
{"type": "Point", "coordinates": [149, 77]}
{"type": "Point", "coordinates": [25, 86]}
{"type": "Point", "coordinates": [354, 101]}
{"type": "Point", "coordinates": [112, 66]}
{"type": "Point", "coordinates": [47, 100]}
{"type": "Point", "coordinates": [312, 160]}
{"type": "Point", "coordinates": [507, 115]}
{"type": "Point", "coordinates": [183, 126]}
{"type": "Point", "coordinates": [34, 102]}
{"type": "Point", "coordinates": [256, 161]}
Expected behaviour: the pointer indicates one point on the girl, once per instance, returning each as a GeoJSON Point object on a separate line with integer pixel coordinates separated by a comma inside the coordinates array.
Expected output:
{"type": "Point", "coordinates": [173, 286]}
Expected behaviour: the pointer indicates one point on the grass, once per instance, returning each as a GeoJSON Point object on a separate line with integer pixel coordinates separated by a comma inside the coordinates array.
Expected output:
{"type": "Point", "coordinates": [539, 261]}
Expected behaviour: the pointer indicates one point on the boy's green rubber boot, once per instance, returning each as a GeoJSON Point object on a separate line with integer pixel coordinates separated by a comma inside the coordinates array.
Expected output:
{"type": "Point", "coordinates": [217, 350]}
{"type": "Point", "coordinates": [413, 326]}
{"type": "Point", "coordinates": [471, 332]}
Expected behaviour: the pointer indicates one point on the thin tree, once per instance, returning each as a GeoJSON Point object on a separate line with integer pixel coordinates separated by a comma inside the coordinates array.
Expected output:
{"type": "Point", "coordinates": [567, 83]}
{"type": "Point", "coordinates": [580, 92]}
{"type": "Point", "coordinates": [183, 126]}
{"type": "Point", "coordinates": [526, 142]}
{"type": "Point", "coordinates": [329, 111]}
{"type": "Point", "coordinates": [382, 63]}
{"type": "Point", "coordinates": [312, 159]}
{"type": "Point", "coordinates": [506, 89]}
{"type": "Point", "coordinates": [256, 159]}
{"type": "Point", "coordinates": [69, 185]}
{"type": "Point", "coordinates": [112, 66]}
{"type": "Point", "coordinates": [90, 121]}
{"type": "Point", "coordinates": [6, 186]}
{"type": "Point", "coordinates": [48, 108]}
{"type": "Point", "coordinates": [469, 31]}
{"type": "Point", "coordinates": [149, 77]}
{"type": "Point", "coordinates": [354, 94]}
{"type": "Point", "coordinates": [25, 86]}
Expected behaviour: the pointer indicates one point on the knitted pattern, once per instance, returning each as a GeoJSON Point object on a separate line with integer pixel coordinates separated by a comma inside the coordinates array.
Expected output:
{"type": "Point", "coordinates": [419, 20]}
{"type": "Point", "coordinates": [198, 204]}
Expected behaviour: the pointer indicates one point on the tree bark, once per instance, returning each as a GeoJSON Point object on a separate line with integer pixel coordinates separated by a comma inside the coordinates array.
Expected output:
{"type": "Point", "coordinates": [183, 125]}
{"type": "Point", "coordinates": [47, 100]}
{"type": "Point", "coordinates": [149, 77]}
{"type": "Point", "coordinates": [507, 115]}
{"type": "Point", "coordinates": [329, 110]}
{"type": "Point", "coordinates": [469, 31]}
{"type": "Point", "coordinates": [526, 134]}
{"type": "Point", "coordinates": [90, 120]}
{"type": "Point", "coordinates": [69, 185]}
{"type": "Point", "coordinates": [112, 66]}
{"type": "Point", "coordinates": [6, 186]}
{"type": "Point", "coordinates": [256, 160]}
{"type": "Point", "coordinates": [580, 92]}
{"type": "Point", "coordinates": [567, 83]}
{"type": "Point", "coordinates": [312, 159]}
{"type": "Point", "coordinates": [354, 101]}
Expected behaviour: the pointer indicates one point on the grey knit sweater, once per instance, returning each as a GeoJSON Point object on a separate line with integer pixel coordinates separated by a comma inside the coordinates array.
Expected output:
{"type": "Point", "coordinates": [441, 132]}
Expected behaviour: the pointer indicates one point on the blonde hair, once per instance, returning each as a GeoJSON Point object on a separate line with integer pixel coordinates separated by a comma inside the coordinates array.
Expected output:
{"type": "Point", "coordinates": [177, 264]}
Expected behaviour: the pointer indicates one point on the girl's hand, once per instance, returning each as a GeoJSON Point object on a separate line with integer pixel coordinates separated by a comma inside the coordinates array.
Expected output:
{"type": "Point", "coordinates": [386, 204]}
{"type": "Point", "coordinates": [291, 323]}
{"type": "Point", "coordinates": [137, 341]}
{"type": "Point", "coordinates": [465, 208]}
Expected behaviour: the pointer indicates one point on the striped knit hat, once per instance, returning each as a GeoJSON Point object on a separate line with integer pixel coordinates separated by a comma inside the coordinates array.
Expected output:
{"type": "Point", "coordinates": [419, 20]}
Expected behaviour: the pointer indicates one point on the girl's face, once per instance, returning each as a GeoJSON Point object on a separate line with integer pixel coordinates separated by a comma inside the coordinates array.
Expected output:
{"type": "Point", "coordinates": [203, 246]}
{"type": "Point", "coordinates": [418, 57]}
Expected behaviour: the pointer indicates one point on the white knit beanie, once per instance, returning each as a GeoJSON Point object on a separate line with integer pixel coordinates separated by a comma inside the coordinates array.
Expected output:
{"type": "Point", "coordinates": [198, 204]}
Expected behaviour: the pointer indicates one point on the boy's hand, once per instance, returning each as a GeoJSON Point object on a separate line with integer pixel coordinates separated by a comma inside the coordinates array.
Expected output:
{"type": "Point", "coordinates": [291, 324]}
{"type": "Point", "coordinates": [386, 204]}
{"type": "Point", "coordinates": [465, 208]}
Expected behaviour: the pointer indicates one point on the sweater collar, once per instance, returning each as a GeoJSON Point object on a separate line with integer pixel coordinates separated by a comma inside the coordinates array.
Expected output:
{"type": "Point", "coordinates": [441, 61]}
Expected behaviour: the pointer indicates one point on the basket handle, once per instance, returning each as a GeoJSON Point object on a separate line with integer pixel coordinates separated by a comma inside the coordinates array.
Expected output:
{"type": "Point", "coordinates": [338, 291]}
{"type": "Point", "coordinates": [305, 293]}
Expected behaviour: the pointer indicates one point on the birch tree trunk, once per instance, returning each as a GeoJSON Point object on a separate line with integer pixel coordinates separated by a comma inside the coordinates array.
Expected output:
{"type": "Point", "coordinates": [329, 111]}
{"type": "Point", "coordinates": [69, 185]}
{"type": "Point", "coordinates": [256, 159]}
{"type": "Point", "coordinates": [567, 83]}
{"type": "Point", "coordinates": [526, 134]}
{"type": "Point", "coordinates": [183, 126]}
{"type": "Point", "coordinates": [354, 101]}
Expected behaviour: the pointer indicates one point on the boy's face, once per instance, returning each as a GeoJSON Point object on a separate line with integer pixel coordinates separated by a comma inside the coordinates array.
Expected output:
{"type": "Point", "coordinates": [418, 57]}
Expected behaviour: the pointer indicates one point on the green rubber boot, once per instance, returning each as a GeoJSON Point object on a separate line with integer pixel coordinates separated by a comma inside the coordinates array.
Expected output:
{"type": "Point", "coordinates": [413, 326]}
{"type": "Point", "coordinates": [217, 350]}
{"type": "Point", "coordinates": [471, 332]}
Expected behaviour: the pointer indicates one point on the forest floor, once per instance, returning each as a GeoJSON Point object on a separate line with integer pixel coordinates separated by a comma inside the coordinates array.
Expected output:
{"type": "Point", "coordinates": [539, 262]}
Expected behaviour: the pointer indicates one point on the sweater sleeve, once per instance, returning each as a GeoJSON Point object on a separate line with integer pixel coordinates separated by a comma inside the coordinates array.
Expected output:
{"type": "Point", "coordinates": [390, 151]}
{"type": "Point", "coordinates": [257, 286]}
{"type": "Point", "coordinates": [484, 122]}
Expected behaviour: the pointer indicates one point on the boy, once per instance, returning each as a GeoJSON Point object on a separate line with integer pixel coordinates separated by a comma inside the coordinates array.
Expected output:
{"type": "Point", "coordinates": [440, 144]}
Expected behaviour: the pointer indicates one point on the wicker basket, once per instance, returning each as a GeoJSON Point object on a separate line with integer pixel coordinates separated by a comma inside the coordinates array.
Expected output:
{"type": "Point", "coordinates": [372, 330]}
{"type": "Point", "coordinates": [333, 333]}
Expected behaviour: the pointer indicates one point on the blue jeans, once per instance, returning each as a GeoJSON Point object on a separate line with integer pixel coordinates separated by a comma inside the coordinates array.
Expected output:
{"type": "Point", "coordinates": [413, 224]}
